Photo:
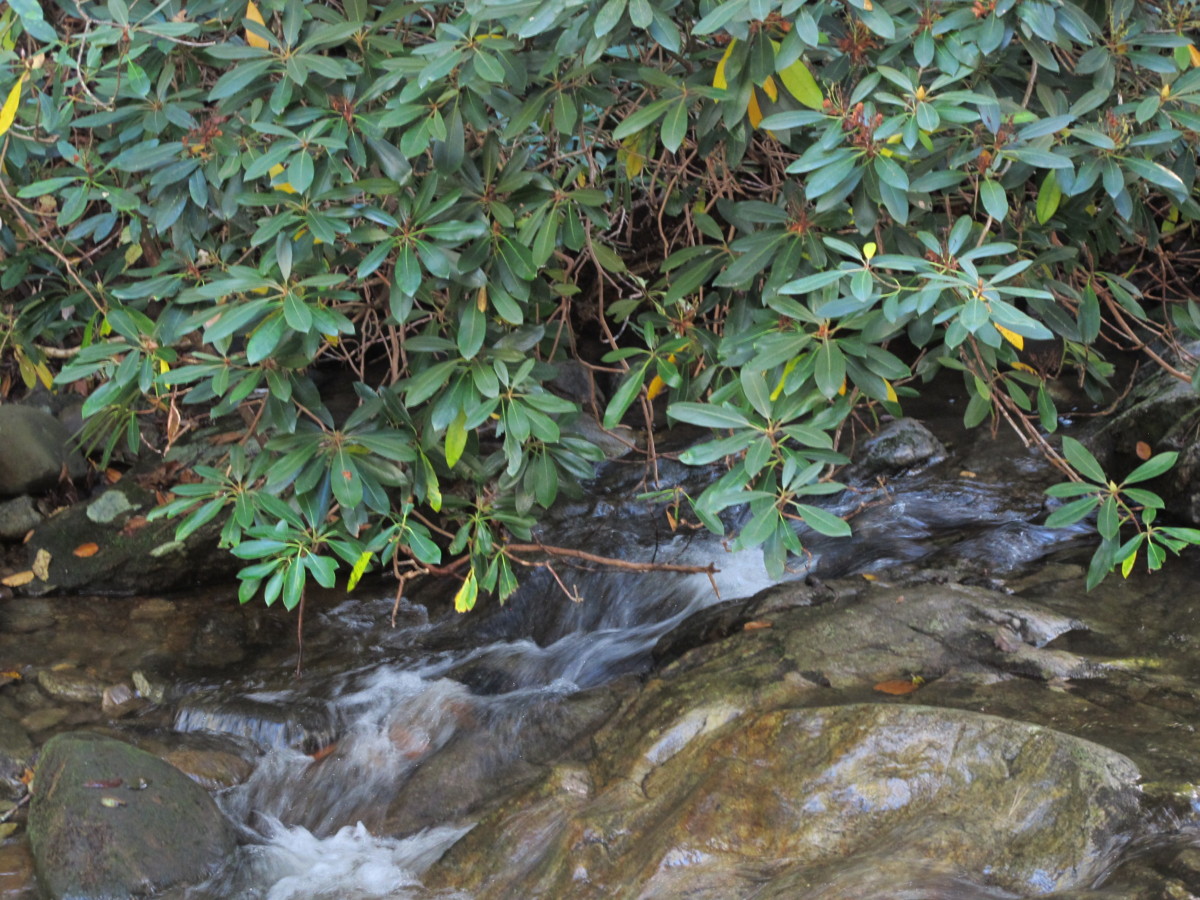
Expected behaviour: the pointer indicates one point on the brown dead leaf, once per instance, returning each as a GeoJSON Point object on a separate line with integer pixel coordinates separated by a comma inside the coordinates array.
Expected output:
{"type": "Point", "coordinates": [325, 751]}
{"type": "Point", "coordinates": [83, 551]}
{"type": "Point", "coordinates": [757, 625]}
{"type": "Point", "coordinates": [1143, 450]}
{"type": "Point", "coordinates": [898, 686]}
{"type": "Point", "coordinates": [111, 475]}
{"type": "Point", "coordinates": [20, 579]}
{"type": "Point", "coordinates": [227, 437]}
{"type": "Point", "coordinates": [134, 525]}
{"type": "Point", "coordinates": [28, 535]}
{"type": "Point", "coordinates": [967, 473]}
{"type": "Point", "coordinates": [41, 564]}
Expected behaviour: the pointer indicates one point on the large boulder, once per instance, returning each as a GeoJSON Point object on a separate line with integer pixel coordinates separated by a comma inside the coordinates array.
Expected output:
{"type": "Point", "coordinates": [109, 820]}
{"type": "Point", "coordinates": [36, 448]}
{"type": "Point", "coordinates": [781, 803]}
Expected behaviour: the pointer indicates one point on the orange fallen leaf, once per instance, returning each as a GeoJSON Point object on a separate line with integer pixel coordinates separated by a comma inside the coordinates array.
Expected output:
{"type": "Point", "coordinates": [85, 550]}
{"type": "Point", "coordinates": [325, 751]}
{"type": "Point", "coordinates": [967, 473]}
{"type": "Point", "coordinates": [134, 525]}
{"type": "Point", "coordinates": [757, 625]}
{"type": "Point", "coordinates": [1143, 450]}
{"type": "Point", "coordinates": [20, 579]}
{"type": "Point", "coordinates": [898, 686]}
{"type": "Point", "coordinates": [111, 475]}
{"type": "Point", "coordinates": [27, 778]}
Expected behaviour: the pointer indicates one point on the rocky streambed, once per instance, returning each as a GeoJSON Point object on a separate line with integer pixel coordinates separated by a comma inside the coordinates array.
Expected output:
{"type": "Point", "coordinates": [935, 708]}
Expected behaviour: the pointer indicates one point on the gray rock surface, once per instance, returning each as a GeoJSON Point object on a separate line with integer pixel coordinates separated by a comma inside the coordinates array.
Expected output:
{"type": "Point", "coordinates": [17, 517]}
{"type": "Point", "coordinates": [119, 840]}
{"type": "Point", "coordinates": [35, 451]}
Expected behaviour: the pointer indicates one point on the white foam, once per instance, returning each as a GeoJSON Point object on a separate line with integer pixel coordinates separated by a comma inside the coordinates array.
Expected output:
{"type": "Point", "coordinates": [353, 864]}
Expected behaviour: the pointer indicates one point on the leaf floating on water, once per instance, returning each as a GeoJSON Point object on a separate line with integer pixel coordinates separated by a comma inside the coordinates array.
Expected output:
{"type": "Point", "coordinates": [325, 751]}
{"type": "Point", "coordinates": [85, 550]}
{"type": "Point", "coordinates": [20, 579]}
{"type": "Point", "coordinates": [898, 686]}
{"type": "Point", "coordinates": [1143, 451]}
{"type": "Point", "coordinates": [112, 802]}
{"type": "Point", "coordinates": [104, 783]}
{"type": "Point", "coordinates": [757, 625]}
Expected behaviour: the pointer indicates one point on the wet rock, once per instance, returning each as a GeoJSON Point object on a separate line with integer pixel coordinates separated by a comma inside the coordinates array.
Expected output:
{"type": "Point", "coordinates": [17, 518]}
{"type": "Point", "coordinates": [141, 559]}
{"type": "Point", "coordinates": [117, 842]}
{"type": "Point", "coordinates": [904, 445]}
{"type": "Point", "coordinates": [36, 449]}
{"type": "Point", "coordinates": [155, 686]}
{"type": "Point", "coordinates": [16, 750]}
{"type": "Point", "coordinates": [108, 506]}
{"type": "Point", "coordinates": [16, 871]}
{"type": "Point", "coordinates": [44, 719]}
{"type": "Point", "coordinates": [212, 769]}
{"type": "Point", "coordinates": [25, 615]}
{"type": "Point", "coordinates": [784, 803]}
{"type": "Point", "coordinates": [281, 720]}
{"type": "Point", "coordinates": [71, 685]}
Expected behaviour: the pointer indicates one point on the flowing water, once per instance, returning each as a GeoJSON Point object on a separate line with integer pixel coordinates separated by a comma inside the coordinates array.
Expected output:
{"type": "Point", "coordinates": [383, 753]}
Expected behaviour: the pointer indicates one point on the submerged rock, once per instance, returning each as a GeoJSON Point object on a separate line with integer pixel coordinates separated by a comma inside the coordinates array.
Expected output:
{"type": "Point", "coordinates": [109, 820]}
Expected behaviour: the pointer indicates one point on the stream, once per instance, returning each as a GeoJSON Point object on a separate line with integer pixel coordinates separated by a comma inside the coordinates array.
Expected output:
{"type": "Point", "coordinates": [396, 741]}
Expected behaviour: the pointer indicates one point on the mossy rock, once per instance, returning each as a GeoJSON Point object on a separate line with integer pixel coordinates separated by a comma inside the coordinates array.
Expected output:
{"type": "Point", "coordinates": [97, 832]}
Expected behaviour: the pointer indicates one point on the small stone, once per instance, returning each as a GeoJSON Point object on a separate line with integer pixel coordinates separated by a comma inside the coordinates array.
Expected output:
{"type": "Point", "coordinates": [151, 685]}
{"type": "Point", "coordinates": [71, 684]}
{"type": "Point", "coordinates": [43, 719]}
{"type": "Point", "coordinates": [115, 695]}
{"type": "Point", "coordinates": [17, 518]}
{"type": "Point", "coordinates": [108, 506]}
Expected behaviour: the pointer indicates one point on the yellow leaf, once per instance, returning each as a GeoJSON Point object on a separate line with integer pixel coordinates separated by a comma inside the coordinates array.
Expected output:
{"type": "Point", "coordinates": [657, 386]}
{"type": "Point", "coordinates": [842, 389]}
{"type": "Point", "coordinates": [1024, 367]}
{"type": "Point", "coordinates": [481, 299]}
{"type": "Point", "coordinates": [255, 40]}
{"type": "Point", "coordinates": [1194, 54]}
{"type": "Point", "coordinates": [360, 566]}
{"type": "Point", "coordinates": [468, 593]}
{"type": "Point", "coordinates": [41, 564]}
{"type": "Point", "coordinates": [870, 248]}
{"type": "Point", "coordinates": [1011, 336]}
{"type": "Point", "coordinates": [800, 84]}
{"type": "Point", "coordinates": [275, 171]}
{"type": "Point", "coordinates": [787, 370]}
{"type": "Point", "coordinates": [719, 78]}
{"type": "Point", "coordinates": [891, 392]}
{"type": "Point", "coordinates": [8, 112]}
{"type": "Point", "coordinates": [753, 111]}
{"type": "Point", "coordinates": [770, 90]}
{"type": "Point", "coordinates": [1127, 564]}
{"type": "Point", "coordinates": [163, 367]}
{"type": "Point", "coordinates": [20, 579]}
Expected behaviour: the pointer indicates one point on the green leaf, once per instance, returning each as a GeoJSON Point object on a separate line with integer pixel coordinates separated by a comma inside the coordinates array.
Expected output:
{"type": "Point", "coordinates": [1048, 198]}
{"type": "Point", "coordinates": [1070, 513]}
{"type": "Point", "coordinates": [995, 201]}
{"type": "Point", "coordinates": [823, 521]}
{"type": "Point", "coordinates": [1082, 461]}
{"type": "Point", "coordinates": [708, 415]}
{"type": "Point", "coordinates": [456, 438]}
{"type": "Point", "coordinates": [674, 126]}
{"type": "Point", "coordinates": [830, 368]}
{"type": "Point", "coordinates": [1152, 468]}
{"type": "Point", "coordinates": [624, 396]}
